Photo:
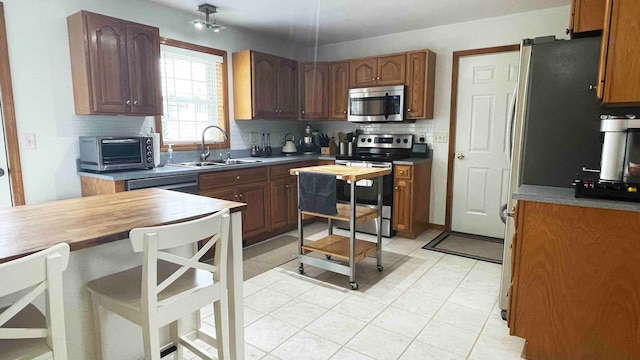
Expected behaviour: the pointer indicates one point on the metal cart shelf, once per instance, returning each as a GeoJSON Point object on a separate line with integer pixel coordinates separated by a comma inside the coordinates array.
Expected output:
{"type": "Point", "coordinates": [341, 247]}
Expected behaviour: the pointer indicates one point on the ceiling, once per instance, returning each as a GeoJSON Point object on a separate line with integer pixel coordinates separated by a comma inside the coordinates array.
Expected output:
{"type": "Point", "coordinates": [324, 22]}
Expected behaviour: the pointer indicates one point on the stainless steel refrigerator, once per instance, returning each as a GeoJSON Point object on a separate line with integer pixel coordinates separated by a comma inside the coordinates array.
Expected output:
{"type": "Point", "coordinates": [555, 121]}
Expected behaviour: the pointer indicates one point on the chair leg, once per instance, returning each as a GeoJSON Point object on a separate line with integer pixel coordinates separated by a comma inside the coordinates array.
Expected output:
{"type": "Point", "coordinates": [151, 340]}
{"type": "Point", "coordinates": [176, 331]}
{"type": "Point", "coordinates": [98, 313]}
{"type": "Point", "coordinates": [221, 314]}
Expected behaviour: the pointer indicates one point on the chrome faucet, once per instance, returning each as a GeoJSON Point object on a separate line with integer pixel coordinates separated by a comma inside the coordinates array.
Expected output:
{"type": "Point", "coordinates": [205, 153]}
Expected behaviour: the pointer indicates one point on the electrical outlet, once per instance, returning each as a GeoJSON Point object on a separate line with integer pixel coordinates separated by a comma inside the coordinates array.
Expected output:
{"type": "Point", "coordinates": [440, 137]}
{"type": "Point", "coordinates": [254, 137]}
{"type": "Point", "coordinates": [29, 140]}
{"type": "Point", "coordinates": [422, 137]}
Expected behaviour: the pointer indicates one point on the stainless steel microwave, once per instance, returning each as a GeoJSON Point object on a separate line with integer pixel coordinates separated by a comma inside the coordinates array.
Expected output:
{"type": "Point", "coordinates": [377, 104]}
{"type": "Point", "coordinates": [109, 153]}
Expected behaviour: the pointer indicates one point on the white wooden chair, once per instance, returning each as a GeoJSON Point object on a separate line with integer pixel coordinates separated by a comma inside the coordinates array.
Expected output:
{"type": "Point", "coordinates": [25, 333]}
{"type": "Point", "coordinates": [168, 287]}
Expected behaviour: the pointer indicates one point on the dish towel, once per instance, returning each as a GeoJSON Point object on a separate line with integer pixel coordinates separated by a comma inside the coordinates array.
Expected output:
{"type": "Point", "coordinates": [317, 193]}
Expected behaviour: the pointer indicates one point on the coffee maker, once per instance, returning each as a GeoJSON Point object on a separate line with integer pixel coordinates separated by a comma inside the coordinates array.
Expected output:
{"type": "Point", "coordinates": [619, 175]}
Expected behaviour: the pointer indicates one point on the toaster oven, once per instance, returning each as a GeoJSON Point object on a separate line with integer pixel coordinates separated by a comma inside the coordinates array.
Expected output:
{"type": "Point", "coordinates": [111, 153]}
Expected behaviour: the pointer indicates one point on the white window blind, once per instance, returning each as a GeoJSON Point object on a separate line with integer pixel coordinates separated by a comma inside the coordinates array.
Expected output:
{"type": "Point", "coordinates": [192, 95]}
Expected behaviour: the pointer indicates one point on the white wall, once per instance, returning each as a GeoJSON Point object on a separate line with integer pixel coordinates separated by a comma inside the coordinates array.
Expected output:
{"type": "Point", "coordinates": [444, 40]}
{"type": "Point", "coordinates": [41, 74]}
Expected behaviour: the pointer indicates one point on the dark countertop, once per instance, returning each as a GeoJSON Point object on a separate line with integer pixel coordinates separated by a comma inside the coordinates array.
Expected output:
{"type": "Point", "coordinates": [178, 170]}
{"type": "Point", "coordinates": [566, 196]}
{"type": "Point", "coordinates": [169, 169]}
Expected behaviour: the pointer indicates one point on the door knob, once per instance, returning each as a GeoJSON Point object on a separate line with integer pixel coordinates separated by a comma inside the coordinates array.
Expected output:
{"type": "Point", "coordinates": [1, 172]}
{"type": "Point", "coordinates": [460, 156]}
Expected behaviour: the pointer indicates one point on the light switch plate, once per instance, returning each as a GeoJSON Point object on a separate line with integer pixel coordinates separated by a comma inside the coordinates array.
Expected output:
{"type": "Point", "coordinates": [422, 137]}
{"type": "Point", "coordinates": [440, 137]}
{"type": "Point", "coordinates": [254, 137]}
{"type": "Point", "coordinates": [29, 140]}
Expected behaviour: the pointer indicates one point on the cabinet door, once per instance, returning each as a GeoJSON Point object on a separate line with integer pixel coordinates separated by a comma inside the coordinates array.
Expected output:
{"type": "Point", "coordinates": [279, 203]}
{"type": "Point", "coordinates": [292, 198]}
{"type": "Point", "coordinates": [314, 91]}
{"type": "Point", "coordinates": [402, 205]}
{"type": "Point", "coordinates": [619, 62]}
{"type": "Point", "coordinates": [417, 104]}
{"type": "Point", "coordinates": [108, 64]}
{"type": "Point", "coordinates": [264, 85]}
{"type": "Point", "coordinates": [391, 70]}
{"type": "Point", "coordinates": [587, 15]}
{"type": "Point", "coordinates": [143, 48]}
{"type": "Point", "coordinates": [287, 81]}
{"type": "Point", "coordinates": [226, 194]}
{"type": "Point", "coordinates": [255, 219]}
{"type": "Point", "coordinates": [363, 72]}
{"type": "Point", "coordinates": [338, 90]}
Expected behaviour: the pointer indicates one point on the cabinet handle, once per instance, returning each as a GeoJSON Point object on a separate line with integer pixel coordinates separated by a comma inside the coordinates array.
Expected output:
{"type": "Point", "coordinates": [128, 102]}
{"type": "Point", "coordinates": [241, 196]}
{"type": "Point", "coordinates": [396, 188]}
{"type": "Point", "coordinates": [378, 78]}
{"type": "Point", "coordinates": [303, 111]}
{"type": "Point", "coordinates": [135, 102]}
{"type": "Point", "coordinates": [373, 79]}
{"type": "Point", "coordinates": [235, 196]}
{"type": "Point", "coordinates": [408, 110]}
{"type": "Point", "coordinates": [344, 112]}
{"type": "Point", "coordinates": [238, 178]}
{"type": "Point", "coordinates": [593, 87]}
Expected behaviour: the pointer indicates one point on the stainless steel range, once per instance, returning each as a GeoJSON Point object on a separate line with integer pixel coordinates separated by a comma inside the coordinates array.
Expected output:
{"type": "Point", "coordinates": [374, 150]}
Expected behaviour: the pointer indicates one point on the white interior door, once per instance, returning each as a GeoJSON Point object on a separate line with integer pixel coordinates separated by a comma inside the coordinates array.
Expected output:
{"type": "Point", "coordinates": [481, 166]}
{"type": "Point", "coordinates": [5, 188]}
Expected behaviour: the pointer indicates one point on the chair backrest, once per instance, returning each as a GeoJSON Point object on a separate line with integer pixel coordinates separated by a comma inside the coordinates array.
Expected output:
{"type": "Point", "coordinates": [151, 240]}
{"type": "Point", "coordinates": [42, 271]}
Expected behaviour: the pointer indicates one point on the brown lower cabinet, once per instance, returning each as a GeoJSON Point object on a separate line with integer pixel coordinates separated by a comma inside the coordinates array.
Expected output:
{"type": "Point", "coordinates": [249, 186]}
{"type": "Point", "coordinates": [411, 186]}
{"type": "Point", "coordinates": [284, 196]}
{"type": "Point", "coordinates": [575, 290]}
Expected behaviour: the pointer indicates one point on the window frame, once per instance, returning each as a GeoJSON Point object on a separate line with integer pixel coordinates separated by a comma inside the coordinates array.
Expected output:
{"type": "Point", "coordinates": [225, 93]}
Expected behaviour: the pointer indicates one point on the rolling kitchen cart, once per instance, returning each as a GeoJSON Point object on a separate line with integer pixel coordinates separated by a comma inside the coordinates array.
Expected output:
{"type": "Point", "coordinates": [337, 246]}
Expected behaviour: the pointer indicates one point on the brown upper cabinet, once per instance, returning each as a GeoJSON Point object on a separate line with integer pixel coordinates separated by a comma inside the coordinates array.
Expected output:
{"type": "Point", "coordinates": [115, 65]}
{"type": "Point", "coordinates": [338, 90]}
{"type": "Point", "coordinates": [586, 15]}
{"type": "Point", "coordinates": [314, 91]}
{"type": "Point", "coordinates": [421, 76]}
{"type": "Point", "coordinates": [619, 72]}
{"type": "Point", "coordinates": [377, 71]}
{"type": "Point", "coordinates": [264, 86]}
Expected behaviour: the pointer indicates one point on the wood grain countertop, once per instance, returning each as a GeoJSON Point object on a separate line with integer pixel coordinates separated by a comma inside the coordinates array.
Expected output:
{"type": "Point", "coordinates": [95, 220]}
{"type": "Point", "coordinates": [352, 173]}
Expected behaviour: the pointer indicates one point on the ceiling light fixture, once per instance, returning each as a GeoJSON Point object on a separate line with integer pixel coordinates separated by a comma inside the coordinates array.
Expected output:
{"type": "Point", "coordinates": [207, 10]}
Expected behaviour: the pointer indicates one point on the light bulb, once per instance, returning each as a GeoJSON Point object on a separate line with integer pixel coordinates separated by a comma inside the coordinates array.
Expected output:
{"type": "Point", "coordinates": [198, 25]}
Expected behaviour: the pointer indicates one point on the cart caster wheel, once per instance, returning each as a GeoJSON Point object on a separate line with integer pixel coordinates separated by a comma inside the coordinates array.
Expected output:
{"type": "Point", "coordinates": [380, 268]}
{"type": "Point", "coordinates": [328, 257]}
{"type": "Point", "coordinates": [301, 270]}
{"type": "Point", "coordinates": [354, 285]}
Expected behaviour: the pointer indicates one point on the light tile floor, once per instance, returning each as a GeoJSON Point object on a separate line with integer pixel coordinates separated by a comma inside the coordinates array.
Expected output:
{"type": "Point", "coordinates": [424, 305]}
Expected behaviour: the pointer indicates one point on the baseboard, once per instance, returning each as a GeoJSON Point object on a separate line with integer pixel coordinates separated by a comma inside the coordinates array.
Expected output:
{"type": "Point", "coordinates": [436, 227]}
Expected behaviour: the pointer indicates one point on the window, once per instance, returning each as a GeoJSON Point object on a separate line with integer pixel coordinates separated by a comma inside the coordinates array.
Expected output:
{"type": "Point", "coordinates": [194, 95]}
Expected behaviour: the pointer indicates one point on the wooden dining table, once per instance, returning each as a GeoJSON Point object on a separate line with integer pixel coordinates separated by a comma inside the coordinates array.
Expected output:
{"type": "Point", "coordinates": [94, 227]}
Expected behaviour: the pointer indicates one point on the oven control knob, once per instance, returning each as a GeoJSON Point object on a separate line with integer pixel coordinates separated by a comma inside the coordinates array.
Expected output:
{"type": "Point", "coordinates": [149, 153]}
{"type": "Point", "coordinates": [149, 147]}
{"type": "Point", "coordinates": [405, 141]}
{"type": "Point", "coordinates": [149, 159]}
{"type": "Point", "coordinates": [148, 141]}
{"type": "Point", "coordinates": [362, 140]}
{"type": "Point", "coordinates": [398, 141]}
{"type": "Point", "coordinates": [368, 140]}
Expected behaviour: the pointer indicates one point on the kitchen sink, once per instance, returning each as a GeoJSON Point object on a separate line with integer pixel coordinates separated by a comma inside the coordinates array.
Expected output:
{"type": "Point", "coordinates": [240, 161]}
{"type": "Point", "coordinates": [202, 164]}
